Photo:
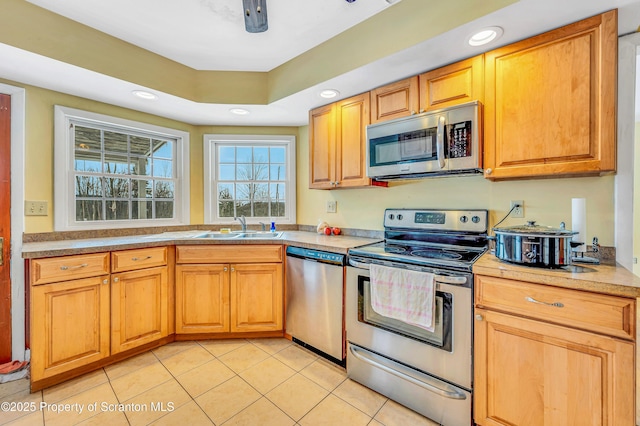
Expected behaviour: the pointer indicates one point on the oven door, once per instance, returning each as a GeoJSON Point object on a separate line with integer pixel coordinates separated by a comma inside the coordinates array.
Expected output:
{"type": "Point", "coordinates": [446, 353]}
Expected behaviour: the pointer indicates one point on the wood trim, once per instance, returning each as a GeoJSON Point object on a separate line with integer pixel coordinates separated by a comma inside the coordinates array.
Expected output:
{"type": "Point", "coordinates": [5, 228]}
{"type": "Point", "coordinates": [223, 336]}
{"type": "Point", "coordinates": [59, 378]}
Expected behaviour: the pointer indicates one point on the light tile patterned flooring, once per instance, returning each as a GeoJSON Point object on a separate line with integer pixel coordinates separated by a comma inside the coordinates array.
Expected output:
{"type": "Point", "coordinates": [258, 382]}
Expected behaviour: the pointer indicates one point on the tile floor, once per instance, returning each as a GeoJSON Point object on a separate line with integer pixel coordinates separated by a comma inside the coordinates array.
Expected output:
{"type": "Point", "coordinates": [216, 382]}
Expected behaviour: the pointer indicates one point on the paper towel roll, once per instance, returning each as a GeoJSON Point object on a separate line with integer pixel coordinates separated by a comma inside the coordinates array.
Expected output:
{"type": "Point", "coordinates": [579, 222]}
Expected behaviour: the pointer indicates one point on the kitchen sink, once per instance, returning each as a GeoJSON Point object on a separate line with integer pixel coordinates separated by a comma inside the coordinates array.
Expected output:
{"type": "Point", "coordinates": [217, 235]}
{"type": "Point", "coordinates": [261, 235]}
{"type": "Point", "coordinates": [265, 235]}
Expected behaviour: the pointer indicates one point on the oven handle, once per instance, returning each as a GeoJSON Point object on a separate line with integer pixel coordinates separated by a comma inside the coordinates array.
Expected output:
{"type": "Point", "coordinates": [429, 383]}
{"type": "Point", "coordinates": [445, 279]}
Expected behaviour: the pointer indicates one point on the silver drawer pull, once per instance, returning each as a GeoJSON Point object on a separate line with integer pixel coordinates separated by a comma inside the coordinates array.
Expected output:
{"type": "Point", "coordinates": [136, 259]}
{"type": "Point", "coordinates": [64, 267]}
{"type": "Point", "coordinates": [554, 304]}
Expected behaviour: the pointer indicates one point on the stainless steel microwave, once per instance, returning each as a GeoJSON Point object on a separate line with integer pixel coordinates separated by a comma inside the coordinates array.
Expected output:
{"type": "Point", "coordinates": [447, 141]}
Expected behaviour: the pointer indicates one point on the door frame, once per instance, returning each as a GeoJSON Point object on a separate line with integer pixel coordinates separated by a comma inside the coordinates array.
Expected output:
{"type": "Point", "coordinates": [18, 315]}
{"type": "Point", "coordinates": [628, 50]}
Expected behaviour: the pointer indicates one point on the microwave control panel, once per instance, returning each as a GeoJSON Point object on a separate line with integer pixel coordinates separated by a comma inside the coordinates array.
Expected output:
{"type": "Point", "coordinates": [459, 139]}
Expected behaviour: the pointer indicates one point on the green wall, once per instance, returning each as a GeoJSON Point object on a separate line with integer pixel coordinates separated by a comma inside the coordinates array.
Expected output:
{"type": "Point", "coordinates": [547, 201]}
{"type": "Point", "coordinates": [39, 147]}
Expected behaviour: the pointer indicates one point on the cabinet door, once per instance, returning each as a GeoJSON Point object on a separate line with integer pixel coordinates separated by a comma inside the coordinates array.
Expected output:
{"type": "Point", "coordinates": [550, 102]}
{"type": "Point", "coordinates": [453, 84]}
{"type": "Point", "coordinates": [352, 119]}
{"type": "Point", "coordinates": [202, 298]}
{"type": "Point", "coordinates": [395, 100]}
{"type": "Point", "coordinates": [531, 373]}
{"type": "Point", "coordinates": [322, 147]}
{"type": "Point", "coordinates": [69, 325]}
{"type": "Point", "coordinates": [138, 308]}
{"type": "Point", "coordinates": [256, 297]}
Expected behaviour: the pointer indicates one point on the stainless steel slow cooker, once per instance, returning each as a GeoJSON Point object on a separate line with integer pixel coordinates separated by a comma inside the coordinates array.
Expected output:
{"type": "Point", "coordinates": [534, 245]}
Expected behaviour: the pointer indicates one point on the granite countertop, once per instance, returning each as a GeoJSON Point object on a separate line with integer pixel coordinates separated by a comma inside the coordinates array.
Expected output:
{"type": "Point", "coordinates": [333, 243]}
{"type": "Point", "coordinates": [607, 279]}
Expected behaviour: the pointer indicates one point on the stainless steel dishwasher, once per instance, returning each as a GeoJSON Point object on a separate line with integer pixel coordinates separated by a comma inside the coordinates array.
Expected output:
{"type": "Point", "coordinates": [314, 316]}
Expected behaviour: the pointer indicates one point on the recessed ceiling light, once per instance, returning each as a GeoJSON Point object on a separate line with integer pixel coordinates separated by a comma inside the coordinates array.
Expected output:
{"type": "Point", "coordinates": [144, 94]}
{"type": "Point", "coordinates": [485, 35]}
{"type": "Point", "coordinates": [329, 93]}
{"type": "Point", "coordinates": [239, 111]}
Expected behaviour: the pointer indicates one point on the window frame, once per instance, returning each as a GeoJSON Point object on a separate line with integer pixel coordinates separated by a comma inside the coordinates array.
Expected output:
{"type": "Point", "coordinates": [210, 168]}
{"type": "Point", "coordinates": [64, 170]}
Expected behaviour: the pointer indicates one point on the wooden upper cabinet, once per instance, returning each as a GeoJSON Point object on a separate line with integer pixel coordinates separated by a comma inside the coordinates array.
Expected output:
{"type": "Point", "coordinates": [337, 144]}
{"type": "Point", "coordinates": [322, 147]}
{"type": "Point", "coordinates": [550, 103]}
{"type": "Point", "coordinates": [395, 100]}
{"type": "Point", "coordinates": [352, 118]}
{"type": "Point", "coordinates": [452, 84]}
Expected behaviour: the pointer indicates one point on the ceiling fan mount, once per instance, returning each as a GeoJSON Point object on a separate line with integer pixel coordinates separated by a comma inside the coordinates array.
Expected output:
{"type": "Point", "coordinates": [255, 16]}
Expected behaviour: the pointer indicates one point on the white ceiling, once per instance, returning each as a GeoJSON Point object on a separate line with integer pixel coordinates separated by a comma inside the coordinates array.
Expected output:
{"type": "Point", "coordinates": [216, 40]}
{"type": "Point", "coordinates": [210, 34]}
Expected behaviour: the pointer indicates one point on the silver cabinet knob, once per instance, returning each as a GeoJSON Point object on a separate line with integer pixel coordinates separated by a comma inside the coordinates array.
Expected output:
{"type": "Point", "coordinates": [488, 171]}
{"type": "Point", "coordinates": [105, 281]}
{"type": "Point", "coordinates": [479, 317]}
{"type": "Point", "coordinates": [233, 269]}
{"type": "Point", "coordinates": [225, 269]}
{"type": "Point", "coordinates": [116, 279]}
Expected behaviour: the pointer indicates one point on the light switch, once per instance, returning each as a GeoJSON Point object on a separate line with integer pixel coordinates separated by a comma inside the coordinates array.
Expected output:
{"type": "Point", "coordinates": [332, 206]}
{"type": "Point", "coordinates": [35, 208]}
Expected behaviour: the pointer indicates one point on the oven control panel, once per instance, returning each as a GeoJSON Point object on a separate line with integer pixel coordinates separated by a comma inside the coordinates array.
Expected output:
{"type": "Point", "coordinates": [437, 220]}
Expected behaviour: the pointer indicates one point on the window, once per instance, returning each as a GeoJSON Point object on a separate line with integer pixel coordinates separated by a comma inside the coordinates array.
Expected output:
{"type": "Point", "coordinates": [114, 173]}
{"type": "Point", "coordinates": [251, 176]}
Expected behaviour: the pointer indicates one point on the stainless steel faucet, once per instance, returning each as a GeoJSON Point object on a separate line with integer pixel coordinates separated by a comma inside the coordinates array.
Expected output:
{"type": "Point", "coordinates": [243, 222]}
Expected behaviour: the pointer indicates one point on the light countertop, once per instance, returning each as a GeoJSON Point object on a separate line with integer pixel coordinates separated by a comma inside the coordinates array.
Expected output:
{"type": "Point", "coordinates": [333, 243]}
{"type": "Point", "coordinates": [613, 280]}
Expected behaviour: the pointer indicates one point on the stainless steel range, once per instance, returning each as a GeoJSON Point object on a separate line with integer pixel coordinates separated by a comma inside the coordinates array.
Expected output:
{"type": "Point", "coordinates": [428, 369]}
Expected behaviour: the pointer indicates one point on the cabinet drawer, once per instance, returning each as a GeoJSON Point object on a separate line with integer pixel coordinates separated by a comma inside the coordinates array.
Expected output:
{"type": "Point", "coordinates": [69, 268]}
{"type": "Point", "coordinates": [229, 254]}
{"type": "Point", "coordinates": [129, 260]}
{"type": "Point", "coordinates": [611, 315]}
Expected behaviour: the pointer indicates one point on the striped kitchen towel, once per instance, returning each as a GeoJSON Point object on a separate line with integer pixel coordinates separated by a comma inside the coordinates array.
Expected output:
{"type": "Point", "coordinates": [405, 295]}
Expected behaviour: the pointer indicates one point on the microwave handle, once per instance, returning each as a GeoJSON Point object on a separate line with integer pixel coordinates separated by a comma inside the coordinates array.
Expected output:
{"type": "Point", "coordinates": [440, 142]}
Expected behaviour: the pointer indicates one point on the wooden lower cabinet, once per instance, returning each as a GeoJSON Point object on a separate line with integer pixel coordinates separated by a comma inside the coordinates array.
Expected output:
{"type": "Point", "coordinates": [242, 295]}
{"type": "Point", "coordinates": [545, 355]}
{"type": "Point", "coordinates": [139, 308]}
{"type": "Point", "coordinates": [69, 325]}
{"type": "Point", "coordinates": [220, 298]}
{"type": "Point", "coordinates": [202, 299]}
{"type": "Point", "coordinates": [528, 372]}
{"type": "Point", "coordinates": [256, 297]}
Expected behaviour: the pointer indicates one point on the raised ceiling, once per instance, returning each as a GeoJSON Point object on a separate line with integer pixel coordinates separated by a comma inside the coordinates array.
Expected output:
{"type": "Point", "coordinates": [310, 45]}
{"type": "Point", "coordinates": [210, 34]}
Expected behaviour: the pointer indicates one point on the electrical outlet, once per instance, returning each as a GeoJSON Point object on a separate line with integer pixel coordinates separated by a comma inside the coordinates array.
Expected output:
{"type": "Point", "coordinates": [35, 208]}
{"type": "Point", "coordinates": [518, 211]}
{"type": "Point", "coordinates": [332, 206]}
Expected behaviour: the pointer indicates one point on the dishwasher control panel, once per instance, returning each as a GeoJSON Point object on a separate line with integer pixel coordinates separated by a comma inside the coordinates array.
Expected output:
{"type": "Point", "coordinates": [320, 256]}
